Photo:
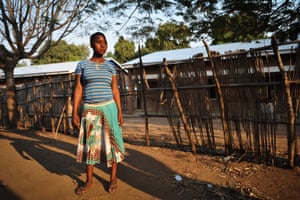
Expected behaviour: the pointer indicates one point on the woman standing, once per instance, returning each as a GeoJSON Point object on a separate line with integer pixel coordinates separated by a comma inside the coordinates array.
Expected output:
{"type": "Point", "coordinates": [100, 136]}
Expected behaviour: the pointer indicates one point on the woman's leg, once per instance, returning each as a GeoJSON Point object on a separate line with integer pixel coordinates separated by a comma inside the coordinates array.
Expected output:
{"type": "Point", "coordinates": [113, 178]}
{"type": "Point", "coordinates": [89, 180]}
{"type": "Point", "coordinates": [89, 175]}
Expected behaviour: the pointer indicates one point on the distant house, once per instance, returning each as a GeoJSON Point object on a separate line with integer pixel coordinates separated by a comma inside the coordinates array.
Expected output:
{"type": "Point", "coordinates": [43, 92]}
{"type": "Point", "coordinates": [38, 72]}
{"type": "Point", "coordinates": [181, 55]}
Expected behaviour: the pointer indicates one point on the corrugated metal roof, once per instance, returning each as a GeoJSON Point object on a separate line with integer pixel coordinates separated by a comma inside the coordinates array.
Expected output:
{"type": "Point", "coordinates": [188, 53]}
{"type": "Point", "coordinates": [48, 69]}
{"type": "Point", "coordinates": [45, 69]}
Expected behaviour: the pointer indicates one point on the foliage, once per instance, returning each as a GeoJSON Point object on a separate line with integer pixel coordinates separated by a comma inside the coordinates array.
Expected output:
{"type": "Point", "coordinates": [138, 18]}
{"type": "Point", "coordinates": [169, 36]}
{"type": "Point", "coordinates": [233, 20]}
{"type": "Point", "coordinates": [124, 50]}
{"type": "Point", "coordinates": [109, 54]}
{"type": "Point", "coordinates": [25, 26]}
{"type": "Point", "coordinates": [63, 52]}
{"type": "Point", "coordinates": [220, 21]}
{"type": "Point", "coordinates": [285, 20]}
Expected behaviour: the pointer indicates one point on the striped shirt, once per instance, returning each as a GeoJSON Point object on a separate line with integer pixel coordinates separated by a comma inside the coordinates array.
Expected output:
{"type": "Point", "coordinates": [96, 80]}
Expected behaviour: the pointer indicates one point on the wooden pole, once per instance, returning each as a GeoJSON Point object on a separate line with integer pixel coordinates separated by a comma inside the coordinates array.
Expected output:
{"type": "Point", "coordinates": [178, 102]}
{"type": "Point", "coordinates": [228, 145]}
{"type": "Point", "coordinates": [142, 78]}
{"type": "Point", "coordinates": [60, 119]}
{"type": "Point", "coordinates": [292, 137]}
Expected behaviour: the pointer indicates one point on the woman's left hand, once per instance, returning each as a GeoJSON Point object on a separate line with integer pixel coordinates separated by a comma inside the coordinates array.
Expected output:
{"type": "Point", "coordinates": [120, 118]}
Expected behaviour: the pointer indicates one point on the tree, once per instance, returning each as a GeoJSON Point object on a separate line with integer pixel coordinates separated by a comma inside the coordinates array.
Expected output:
{"type": "Point", "coordinates": [140, 16]}
{"type": "Point", "coordinates": [63, 52]}
{"type": "Point", "coordinates": [285, 20]}
{"type": "Point", "coordinates": [234, 20]}
{"type": "Point", "coordinates": [124, 50]}
{"type": "Point", "coordinates": [109, 54]}
{"type": "Point", "coordinates": [25, 26]}
{"type": "Point", "coordinates": [220, 21]}
{"type": "Point", "coordinates": [169, 35]}
{"type": "Point", "coordinates": [241, 21]}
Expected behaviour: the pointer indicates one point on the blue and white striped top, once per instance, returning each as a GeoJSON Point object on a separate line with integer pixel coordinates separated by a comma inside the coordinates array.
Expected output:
{"type": "Point", "coordinates": [96, 80]}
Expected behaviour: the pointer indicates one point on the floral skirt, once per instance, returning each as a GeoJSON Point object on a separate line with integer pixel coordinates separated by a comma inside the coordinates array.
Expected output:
{"type": "Point", "coordinates": [100, 136]}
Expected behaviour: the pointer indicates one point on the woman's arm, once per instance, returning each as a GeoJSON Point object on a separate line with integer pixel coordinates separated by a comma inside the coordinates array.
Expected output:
{"type": "Point", "coordinates": [116, 96]}
{"type": "Point", "coordinates": [77, 95]}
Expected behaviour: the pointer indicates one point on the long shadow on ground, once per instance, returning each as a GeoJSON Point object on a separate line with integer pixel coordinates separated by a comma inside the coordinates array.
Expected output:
{"type": "Point", "coordinates": [139, 170]}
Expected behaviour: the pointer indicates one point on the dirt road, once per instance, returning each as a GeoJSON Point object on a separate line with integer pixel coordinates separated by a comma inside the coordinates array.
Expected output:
{"type": "Point", "coordinates": [37, 165]}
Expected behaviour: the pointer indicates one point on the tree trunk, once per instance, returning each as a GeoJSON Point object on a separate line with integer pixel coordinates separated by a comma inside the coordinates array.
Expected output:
{"type": "Point", "coordinates": [292, 137]}
{"type": "Point", "coordinates": [11, 95]}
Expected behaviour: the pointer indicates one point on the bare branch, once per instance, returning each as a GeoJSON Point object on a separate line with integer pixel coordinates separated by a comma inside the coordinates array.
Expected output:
{"type": "Point", "coordinates": [26, 25]}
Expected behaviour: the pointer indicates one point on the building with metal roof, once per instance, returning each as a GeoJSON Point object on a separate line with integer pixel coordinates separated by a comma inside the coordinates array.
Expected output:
{"type": "Point", "coordinates": [48, 69]}
{"type": "Point", "coordinates": [42, 93]}
{"type": "Point", "coordinates": [191, 61]}
{"type": "Point", "coordinates": [179, 55]}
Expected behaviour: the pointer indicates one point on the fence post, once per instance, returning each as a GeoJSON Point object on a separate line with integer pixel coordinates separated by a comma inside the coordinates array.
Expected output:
{"type": "Point", "coordinates": [292, 137]}
{"type": "Point", "coordinates": [178, 102]}
{"type": "Point", "coordinates": [228, 145]}
{"type": "Point", "coordinates": [143, 80]}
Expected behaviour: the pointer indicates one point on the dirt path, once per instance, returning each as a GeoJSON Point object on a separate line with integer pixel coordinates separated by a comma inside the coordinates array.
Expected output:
{"type": "Point", "coordinates": [39, 166]}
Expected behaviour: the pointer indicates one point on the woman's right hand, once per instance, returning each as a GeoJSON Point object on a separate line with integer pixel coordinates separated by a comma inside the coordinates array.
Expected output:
{"type": "Point", "coordinates": [76, 101]}
{"type": "Point", "coordinates": [76, 120]}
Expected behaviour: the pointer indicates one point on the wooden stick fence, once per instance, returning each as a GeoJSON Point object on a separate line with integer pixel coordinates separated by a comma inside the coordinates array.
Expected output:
{"type": "Point", "coordinates": [249, 91]}
{"type": "Point", "coordinates": [248, 86]}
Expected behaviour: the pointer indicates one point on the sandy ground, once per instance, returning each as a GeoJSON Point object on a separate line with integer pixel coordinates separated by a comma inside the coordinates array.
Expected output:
{"type": "Point", "coordinates": [37, 165]}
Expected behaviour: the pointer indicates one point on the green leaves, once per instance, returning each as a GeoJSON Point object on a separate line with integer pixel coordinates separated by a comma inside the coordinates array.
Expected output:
{"type": "Point", "coordinates": [124, 50]}
{"type": "Point", "coordinates": [221, 21]}
{"type": "Point", "coordinates": [63, 52]}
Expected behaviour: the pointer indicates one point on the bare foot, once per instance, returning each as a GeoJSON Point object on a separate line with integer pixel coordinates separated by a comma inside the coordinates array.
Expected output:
{"type": "Point", "coordinates": [83, 189]}
{"type": "Point", "coordinates": [112, 187]}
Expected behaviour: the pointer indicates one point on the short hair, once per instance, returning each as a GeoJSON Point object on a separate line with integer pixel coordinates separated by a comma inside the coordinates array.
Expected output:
{"type": "Point", "coordinates": [94, 36]}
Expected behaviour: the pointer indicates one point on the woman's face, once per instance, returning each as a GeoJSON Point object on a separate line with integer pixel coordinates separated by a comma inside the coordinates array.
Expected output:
{"type": "Point", "coordinates": [100, 45]}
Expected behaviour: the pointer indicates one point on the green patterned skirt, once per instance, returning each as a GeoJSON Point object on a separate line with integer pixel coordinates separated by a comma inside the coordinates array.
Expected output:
{"type": "Point", "coordinates": [100, 136]}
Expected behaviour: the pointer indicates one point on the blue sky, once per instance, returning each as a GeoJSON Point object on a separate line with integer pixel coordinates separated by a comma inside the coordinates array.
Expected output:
{"type": "Point", "coordinates": [115, 31]}
{"type": "Point", "coordinates": [78, 40]}
{"type": "Point", "coordinates": [78, 37]}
